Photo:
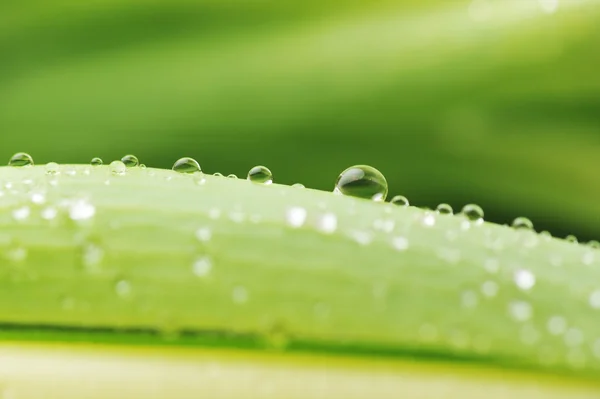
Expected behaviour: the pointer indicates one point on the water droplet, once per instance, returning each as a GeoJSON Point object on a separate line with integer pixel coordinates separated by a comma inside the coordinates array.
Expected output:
{"type": "Point", "coordinates": [204, 234]}
{"type": "Point", "coordinates": [202, 266]}
{"type": "Point", "coordinates": [260, 174]}
{"type": "Point", "coordinates": [240, 294]}
{"type": "Point", "coordinates": [52, 168]}
{"type": "Point", "coordinates": [130, 161]}
{"type": "Point", "coordinates": [123, 288]}
{"type": "Point", "coordinates": [489, 289]}
{"type": "Point", "coordinates": [38, 197]}
{"type": "Point", "coordinates": [21, 214]}
{"type": "Point", "coordinates": [399, 200]}
{"type": "Point", "coordinates": [400, 243]}
{"type": "Point", "coordinates": [557, 325]}
{"type": "Point", "coordinates": [520, 310]}
{"type": "Point", "coordinates": [429, 220]}
{"type": "Point", "coordinates": [327, 223]}
{"type": "Point", "coordinates": [594, 244]}
{"type": "Point", "coordinates": [362, 181]}
{"type": "Point", "coordinates": [70, 171]}
{"type": "Point", "coordinates": [186, 165]}
{"type": "Point", "coordinates": [296, 216]}
{"type": "Point", "coordinates": [595, 299]}
{"type": "Point", "coordinates": [573, 337]}
{"type": "Point", "coordinates": [118, 168]}
{"type": "Point", "coordinates": [199, 178]}
{"type": "Point", "coordinates": [444, 209]}
{"type": "Point", "coordinates": [81, 210]}
{"type": "Point", "coordinates": [142, 166]}
{"type": "Point", "coordinates": [217, 174]}
{"type": "Point", "coordinates": [21, 159]}
{"type": "Point", "coordinates": [469, 299]}
{"type": "Point", "coordinates": [298, 185]}
{"type": "Point", "coordinates": [49, 213]}
{"type": "Point", "coordinates": [524, 279]}
{"type": "Point", "coordinates": [96, 162]}
{"type": "Point", "coordinates": [522, 223]}
{"type": "Point", "coordinates": [232, 176]}
{"type": "Point", "coordinates": [473, 212]}
{"type": "Point", "coordinates": [571, 238]}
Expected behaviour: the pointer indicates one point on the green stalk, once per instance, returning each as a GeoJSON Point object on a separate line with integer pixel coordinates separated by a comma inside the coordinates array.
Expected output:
{"type": "Point", "coordinates": [153, 257]}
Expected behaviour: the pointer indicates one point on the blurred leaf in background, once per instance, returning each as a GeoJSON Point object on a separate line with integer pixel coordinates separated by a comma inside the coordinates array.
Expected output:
{"type": "Point", "coordinates": [489, 101]}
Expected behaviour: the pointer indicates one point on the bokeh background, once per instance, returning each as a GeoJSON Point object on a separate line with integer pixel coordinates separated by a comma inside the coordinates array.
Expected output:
{"type": "Point", "coordinates": [495, 102]}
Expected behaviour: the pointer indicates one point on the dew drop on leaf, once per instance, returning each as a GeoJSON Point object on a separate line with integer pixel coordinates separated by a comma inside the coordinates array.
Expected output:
{"type": "Point", "coordinates": [260, 174]}
{"type": "Point", "coordinates": [118, 168]}
{"type": "Point", "coordinates": [232, 176]}
{"type": "Point", "coordinates": [96, 162]}
{"type": "Point", "coordinates": [572, 239]}
{"type": "Point", "coordinates": [52, 168]}
{"type": "Point", "coordinates": [298, 185]}
{"type": "Point", "coordinates": [362, 181]}
{"type": "Point", "coordinates": [522, 223]}
{"type": "Point", "coordinates": [444, 209]}
{"type": "Point", "coordinates": [21, 159]}
{"type": "Point", "coordinates": [186, 165]}
{"type": "Point", "coordinates": [130, 161]}
{"type": "Point", "coordinates": [473, 212]}
{"type": "Point", "coordinates": [399, 200]}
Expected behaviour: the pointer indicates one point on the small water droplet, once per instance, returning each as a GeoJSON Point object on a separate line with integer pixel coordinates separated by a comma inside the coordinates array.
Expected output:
{"type": "Point", "coordinates": [522, 223]}
{"type": "Point", "coordinates": [473, 212]}
{"type": "Point", "coordinates": [260, 174]}
{"type": "Point", "coordinates": [595, 299]}
{"type": "Point", "coordinates": [186, 165]}
{"type": "Point", "coordinates": [469, 299]}
{"type": "Point", "coordinates": [429, 219]}
{"type": "Point", "coordinates": [400, 200]}
{"type": "Point", "coordinates": [203, 234]}
{"type": "Point", "coordinates": [298, 185]}
{"type": "Point", "coordinates": [123, 288]}
{"type": "Point", "coordinates": [81, 210]}
{"type": "Point", "coordinates": [571, 238]}
{"type": "Point", "coordinates": [545, 235]}
{"type": "Point", "coordinates": [573, 337]}
{"type": "Point", "coordinates": [142, 166]}
{"type": "Point", "coordinates": [444, 209]}
{"type": "Point", "coordinates": [327, 223]}
{"type": "Point", "coordinates": [21, 159]}
{"type": "Point", "coordinates": [240, 294]}
{"type": "Point", "coordinates": [557, 325]}
{"type": "Point", "coordinates": [118, 168]}
{"type": "Point", "coordinates": [361, 237]}
{"type": "Point", "coordinates": [21, 214]}
{"type": "Point", "coordinates": [96, 162]}
{"type": "Point", "coordinates": [199, 178]}
{"type": "Point", "coordinates": [52, 168]}
{"type": "Point", "coordinates": [400, 243]}
{"type": "Point", "coordinates": [130, 161]}
{"type": "Point", "coordinates": [489, 289]}
{"type": "Point", "coordinates": [524, 279]}
{"type": "Point", "coordinates": [38, 197]}
{"type": "Point", "coordinates": [202, 266]}
{"type": "Point", "coordinates": [594, 244]}
{"type": "Point", "coordinates": [49, 213]}
{"type": "Point", "coordinates": [362, 181]}
{"type": "Point", "coordinates": [520, 310]}
{"type": "Point", "coordinates": [232, 176]}
{"type": "Point", "coordinates": [217, 174]}
{"type": "Point", "coordinates": [296, 216]}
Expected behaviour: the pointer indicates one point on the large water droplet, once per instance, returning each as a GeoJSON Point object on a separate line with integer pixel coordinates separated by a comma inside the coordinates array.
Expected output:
{"type": "Point", "coordinates": [522, 223]}
{"type": "Point", "coordinates": [186, 165]}
{"type": "Point", "coordinates": [444, 209]}
{"type": "Point", "coordinates": [96, 162]}
{"type": "Point", "coordinates": [21, 159]}
{"type": "Point", "coordinates": [473, 212]}
{"type": "Point", "coordinates": [130, 161]}
{"type": "Point", "coordinates": [362, 181]}
{"type": "Point", "coordinates": [118, 168]}
{"type": "Point", "coordinates": [399, 200]}
{"type": "Point", "coordinates": [260, 174]}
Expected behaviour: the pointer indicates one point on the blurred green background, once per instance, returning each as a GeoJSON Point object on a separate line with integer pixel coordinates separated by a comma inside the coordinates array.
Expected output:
{"type": "Point", "coordinates": [489, 101]}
